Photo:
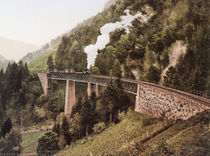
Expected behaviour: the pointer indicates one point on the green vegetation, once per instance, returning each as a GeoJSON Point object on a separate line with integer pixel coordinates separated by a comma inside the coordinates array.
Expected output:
{"type": "Point", "coordinates": [142, 134]}
{"type": "Point", "coordinates": [20, 93]}
{"type": "Point", "coordinates": [146, 48]}
{"type": "Point", "coordinates": [70, 55]}
{"type": "Point", "coordinates": [30, 141]}
{"type": "Point", "coordinates": [50, 63]}
{"type": "Point", "coordinates": [47, 144]}
{"type": "Point", "coordinates": [40, 63]}
{"type": "Point", "coordinates": [89, 114]}
{"type": "Point", "coordinates": [11, 143]}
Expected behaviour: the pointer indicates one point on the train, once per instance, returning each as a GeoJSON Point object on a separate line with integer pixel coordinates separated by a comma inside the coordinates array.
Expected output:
{"type": "Point", "coordinates": [68, 71]}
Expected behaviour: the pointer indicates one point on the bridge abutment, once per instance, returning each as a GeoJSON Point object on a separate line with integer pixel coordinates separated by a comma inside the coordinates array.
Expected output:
{"type": "Point", "coordinates": [69, 97]}
{"type": "Point", "coordinates": [169, 103]}
{"type": "Point", "coordinates": [92, 88]}
{"type": "Point", "coordinates": [46, 83]}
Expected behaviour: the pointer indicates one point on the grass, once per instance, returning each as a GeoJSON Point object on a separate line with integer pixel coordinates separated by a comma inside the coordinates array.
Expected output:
{"type": "Point", "coordinates": [144, 135]}
{"type": "Point", "coordinates": [30, 141]}
{"type": "Point", "coordinates": [40, 62]}
{"type": "Point", "coordinates": [117, 137]}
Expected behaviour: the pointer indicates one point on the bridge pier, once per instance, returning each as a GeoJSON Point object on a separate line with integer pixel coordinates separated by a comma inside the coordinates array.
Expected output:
{"type": "Point", "coordinates": [92, 88]}
{"type": "Point", "coordinates": [46, 83]}
{"type": "Point", "coordinates": [69, 97]}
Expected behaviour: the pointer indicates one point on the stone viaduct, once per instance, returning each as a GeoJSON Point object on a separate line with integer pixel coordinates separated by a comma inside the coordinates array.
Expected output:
{"type": "Point", "coordinates": [151, 99]}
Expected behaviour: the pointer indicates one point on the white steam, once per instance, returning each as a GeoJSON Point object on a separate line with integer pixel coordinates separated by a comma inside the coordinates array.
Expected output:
{"type": "Point", "coordinates": [104, 38]}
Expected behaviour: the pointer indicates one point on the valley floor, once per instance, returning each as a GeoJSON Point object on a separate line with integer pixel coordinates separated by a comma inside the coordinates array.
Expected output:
{"type": "Point", "coordinates": [30, 141]}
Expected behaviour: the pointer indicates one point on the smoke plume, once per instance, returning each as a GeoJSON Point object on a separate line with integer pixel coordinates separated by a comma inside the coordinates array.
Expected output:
{"type": "Point", "coordinates": [104, 38]}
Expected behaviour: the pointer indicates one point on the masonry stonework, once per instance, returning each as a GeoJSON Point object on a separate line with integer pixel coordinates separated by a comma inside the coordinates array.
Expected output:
{"type": "Point", "coordinates": [92, 88]}
{"type": "Point", "coordinates": [46, 83]}
{"type": "Point", "coordinates": [160, 102]}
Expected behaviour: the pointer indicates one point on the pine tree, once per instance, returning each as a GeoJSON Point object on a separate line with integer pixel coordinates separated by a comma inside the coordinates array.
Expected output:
{"type": "Point", "coordinates": [77, 107]}
{"type": "Point", "coordinates": [116, 69]}
{"type": "Point", "coordinates": [88, 115]}
{"type": "Point", "coordinates": [7, 126]}
{"type": "Point", "coordinates": [50, 64]}
{"type": "Point", "coordinates": [65, 131]}
{"type": "Point", "coordinates": [47, 144]}
{"type": "Point", "coordinates": [76, 126]}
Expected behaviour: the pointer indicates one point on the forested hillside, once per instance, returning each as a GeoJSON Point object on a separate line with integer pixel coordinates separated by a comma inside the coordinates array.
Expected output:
{"type": "Point", "coordinates": [22, 105]}
{"type": "Point", "coordinates": [40, 63]}
{"type": "Point", "coordinates": [169, 49]}
{"type": "Point", "coordinates": [146, 51]}
{"type": "Point", "coordinates": [19, 90]}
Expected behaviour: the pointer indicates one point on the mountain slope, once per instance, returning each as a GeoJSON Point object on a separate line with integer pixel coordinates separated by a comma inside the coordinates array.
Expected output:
{"type": "Point", "coordinates": [53, 43]}
{"type": "Point", "coordinates": [33, 55]}
{"type": "Point", "coordinates": [15, 50]}
{"type": "Point", "coordinates": [144, 52]}
{"type": "Point", "coordinates": [139, 134]}
{"type": "Point", "coordinates": [40, 63]}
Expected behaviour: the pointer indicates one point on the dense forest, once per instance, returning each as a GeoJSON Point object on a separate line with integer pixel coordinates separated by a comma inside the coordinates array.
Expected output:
{"type": "Point", "coordinates": [144, 52]}
{"type": "Point", "coordinates": [22, 105]}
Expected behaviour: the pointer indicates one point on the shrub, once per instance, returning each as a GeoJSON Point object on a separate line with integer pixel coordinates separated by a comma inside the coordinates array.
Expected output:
{"type": "Point", "coordinates": [121, 116]}
{"type": "Point", "coordinates": [87, 140]}
{"type": "Point", "coordinates": [11, 143]}
{"type": "Point", "coordinates": [47, 144]}
{"type": "Point", "coordinates": [99, 127]}
{"type": "Point", "coordinates": [162, 148]}
{"type": "Point", "coordinates": [154, 74]}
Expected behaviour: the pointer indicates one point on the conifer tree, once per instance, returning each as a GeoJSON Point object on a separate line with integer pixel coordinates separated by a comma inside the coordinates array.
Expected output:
{"type": "Point", "coordinates": [88, 115]}
{"type": "Point", "coordinates": [50, 64]}
{"type": "Point", "coordinates": [65, 131]}
{"type": "Point", "coordinates": [7, 126]}
{"type": "Point", "coordinates": [116, 69]}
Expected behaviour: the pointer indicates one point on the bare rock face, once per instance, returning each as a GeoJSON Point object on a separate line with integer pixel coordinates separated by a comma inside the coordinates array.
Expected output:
{"type": "Point", "coordinates": [110, 3]}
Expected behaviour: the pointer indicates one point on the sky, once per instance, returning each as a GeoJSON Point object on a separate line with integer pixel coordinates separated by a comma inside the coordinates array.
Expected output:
{"type": "Point", "coordinates": [39, 21]}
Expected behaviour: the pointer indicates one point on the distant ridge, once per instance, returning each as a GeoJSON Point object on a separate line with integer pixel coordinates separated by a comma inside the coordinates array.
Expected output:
{"type": "Point", "coordinates": [15, 50]}
{"type": "Point", "coordinates": [54, 43]}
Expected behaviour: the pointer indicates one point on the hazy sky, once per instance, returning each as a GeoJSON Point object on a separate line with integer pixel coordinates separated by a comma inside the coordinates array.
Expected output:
{"type": "Point", "coordinates": [39, 21]}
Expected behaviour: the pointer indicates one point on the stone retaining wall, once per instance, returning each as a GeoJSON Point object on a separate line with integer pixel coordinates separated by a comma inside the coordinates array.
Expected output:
{"type": "Point", "coordinates": [159, 102]}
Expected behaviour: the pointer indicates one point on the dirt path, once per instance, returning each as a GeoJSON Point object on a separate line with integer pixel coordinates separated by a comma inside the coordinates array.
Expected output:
{"type": "Point", "coordinates": [29, 154]}
{"type": "Point", "coordinates": [37, 129]}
